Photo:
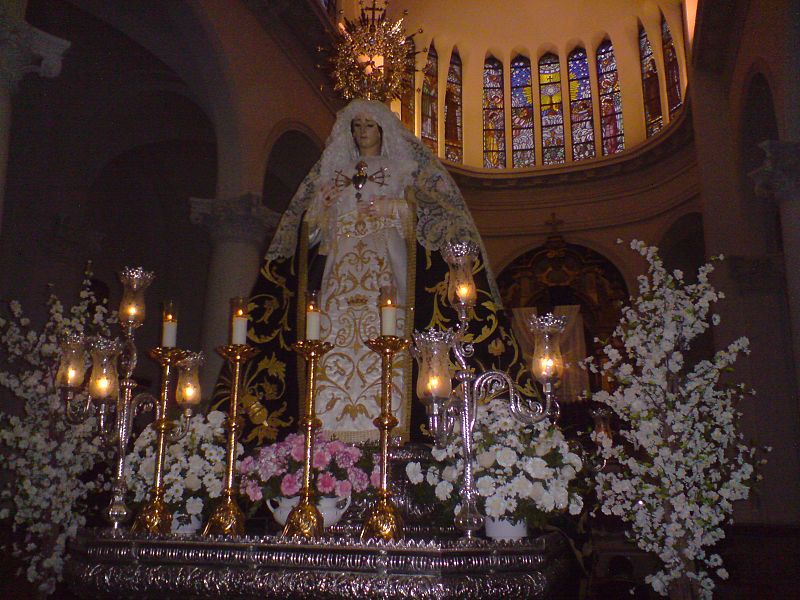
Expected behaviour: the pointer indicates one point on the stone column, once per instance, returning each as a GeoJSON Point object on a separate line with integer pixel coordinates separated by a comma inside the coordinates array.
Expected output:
{"type": "Point", "coordinates": [779, 179]}
{"type": "Point", "coordinates": [238, 228]}
{"type": "Point", "coordinates": [23, 49]}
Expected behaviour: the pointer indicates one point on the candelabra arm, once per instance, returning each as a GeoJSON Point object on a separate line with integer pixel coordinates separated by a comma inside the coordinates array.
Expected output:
{"type": "Point", "coordinates": [461, 349]}
{"type": "Point", "coordinates": [77, 408]}
{"type": "Point", "coordinates": [181, 429]}
{"type": "Point", "coordinates": [469, 519]}
{"type": "Point", "coordinates": [108, 431]}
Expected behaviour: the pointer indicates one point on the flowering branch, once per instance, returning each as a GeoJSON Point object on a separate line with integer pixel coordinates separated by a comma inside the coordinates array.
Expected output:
{"type": "Point", "coordinates": [683, 461]}
{"type": "Point", "coordinates": [45, 494]}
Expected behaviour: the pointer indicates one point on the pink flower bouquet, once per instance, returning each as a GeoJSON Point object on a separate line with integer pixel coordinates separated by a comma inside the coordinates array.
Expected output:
{"type": "Point", "coordinates": [338, 469]}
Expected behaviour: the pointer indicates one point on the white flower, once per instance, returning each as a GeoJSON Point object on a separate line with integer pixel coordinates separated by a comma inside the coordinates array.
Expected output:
{"type": "Point", "coordinates": [496, 506]}
{"type": "Point", "coordinates": [194, 506]}
{"type": "Point", "coordinates": [216, 418]}
{"type": "Point", "coordinates": [486, 459]}
{"type": "Point", "coordinates": [449, 473]}
{"type": "Point", "coordinates": [414, 472]}
{"type": "Point", "coordinates": [443, 490]}
{"type": "Point", "coordinates": [506, 457]}
{"type": "Point", "coordinates": [485, 485]}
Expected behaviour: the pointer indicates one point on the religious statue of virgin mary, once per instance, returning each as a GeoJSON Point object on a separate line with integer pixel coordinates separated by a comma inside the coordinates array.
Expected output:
{"type": "Point", "coordinates": [375, 210]}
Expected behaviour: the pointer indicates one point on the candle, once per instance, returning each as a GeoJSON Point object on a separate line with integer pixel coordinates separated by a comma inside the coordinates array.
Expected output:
{"type": "Point", "coordinates": [239, 321]}
{"type": "Point", "coordinates": [438, 387]}
{"type": "Point", "coordinates": [466, 294]}
{"type": "Point", "coordinates": [387, 302]}
{"type": "Point", "coordinates": [313, 315]}
{"type": "Point", "coordinates": [169, 326]}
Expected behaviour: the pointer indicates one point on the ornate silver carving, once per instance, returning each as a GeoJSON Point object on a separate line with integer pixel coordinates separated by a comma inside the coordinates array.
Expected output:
{"type": "Point", "coordinates": [102, 565]}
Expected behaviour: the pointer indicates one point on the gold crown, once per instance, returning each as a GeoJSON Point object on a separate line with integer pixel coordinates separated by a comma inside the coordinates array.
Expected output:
{"type": "Point", "coordinates": [373, 56]}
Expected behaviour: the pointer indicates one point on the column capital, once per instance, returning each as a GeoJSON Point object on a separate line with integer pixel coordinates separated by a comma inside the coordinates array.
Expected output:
{"type": "Point", "coordinates": [238, 219]}
{"type": "Point", "coordinates": [26, 49]}
{"type": "Point", "coordinates": [779, 176]}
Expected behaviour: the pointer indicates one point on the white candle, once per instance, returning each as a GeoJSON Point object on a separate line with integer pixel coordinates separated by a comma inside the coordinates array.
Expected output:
{"type": "Point", "coordinates": [312, 324]}
{"type": "Point", "coordinates": [388, 319]}
{"type": "Point", "coordinates": [239, 330]}
{"type": "Point", "coordinates": [169, 333]}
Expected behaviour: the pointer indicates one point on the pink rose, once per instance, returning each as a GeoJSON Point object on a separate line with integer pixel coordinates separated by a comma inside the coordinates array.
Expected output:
{"type": "Point", "coordinates": [321, 459]}
{"type": "Point", "coordinates": [358, 478]}
{"type": "Point", "coordinates": [290, 485]}
{"type": "Point", "coordinates": [253, 491]}
{"type": "Point", "coordinates": [343, 488]}
{"type": "Point", "coordinates": [247, 465]}
{"type": "Point", "coordinates": [375, 477]}
{"type": "Point", "coordinates": [298, 450]}
{"type": "Point", "coordinates": [326, 483]}
{"type": "Point", "coordinates": [336, 446]}
{"type": "Point", "coordinates": [348, 457]}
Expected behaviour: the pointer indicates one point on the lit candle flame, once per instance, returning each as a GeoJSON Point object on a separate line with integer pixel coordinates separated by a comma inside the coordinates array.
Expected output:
{"type": "Point", "coordinates": [71, 375]}
{"type": "Point", "coordinates": [464, 291]}
{"type": "Point", "coordinates": [103, 383]}
{"type": "Point", "coordinates": [188, 391]}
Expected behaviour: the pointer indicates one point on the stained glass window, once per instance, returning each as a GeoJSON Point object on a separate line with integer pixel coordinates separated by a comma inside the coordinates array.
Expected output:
{"type": "Point", "coordinates": [652, 94]}
{"type": "Point", "coordinates": [522, 147]}
{"type": "Point", "coordinates": [551, 109]}
{"type": "Point", "coordinates": [408, 96]}
{"type": "Point", "coordinates": [430, 81]}
{"type": "Point", "coordinates": [671, 70]}
{"type": "Point", "coordinates": [494, 127]}
{"type": "Point", "coordinates": [612, 134]}
{"type": "Point", "coordinates": [453, 139]}
{"type": "Point", "coordinates": [580, 105]}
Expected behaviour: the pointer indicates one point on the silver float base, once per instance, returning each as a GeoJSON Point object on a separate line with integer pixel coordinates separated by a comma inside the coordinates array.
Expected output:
{"type": "Point", "coordinates": [104, 565]}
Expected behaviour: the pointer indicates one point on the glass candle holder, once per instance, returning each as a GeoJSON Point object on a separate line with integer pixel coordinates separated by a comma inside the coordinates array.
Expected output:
{"type": "Point", "coordinates": [188, 392]}
{"type": "Point", "coordinates": [387, 304]}
{"type": "Point", "coordinates": [547, 364]}
{"type": "Point", "coordinates": [72, 367]}
{"type": "Point", "coordinates": [104, 383]}
{"type": "Point", "coordinates": [461, 258]}
{"type": "Point", "coordinates": [239, 319]}
{"type": "Point", "coordinates": [313, 315]}
{"type": "Point", "coordinates": [135, 280]}
{"type": "Point", "coordinates": [434, 386]}
{"type": "Point", "coordinates": [169, 325]}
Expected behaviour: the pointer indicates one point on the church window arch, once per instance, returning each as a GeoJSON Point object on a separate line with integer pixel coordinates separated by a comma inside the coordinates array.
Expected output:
{"type": "Point", "coordinates": [650, 87]}
{"type": "Point", "coordinates": [612, 133]}
{"type": "Point", "coordinates": [552, 110]}
{"type": "Point", "coordinates": [430, 99]}
{"type": "Point", "coordinates": [580, 105]}
{"type": "Point", "coordinates": [672, 73]}
{"type": "Point", "coordinates": [494, 129]}
{"type": "Point", "coordinates": [453, 136]}
{"type": "Point", "coordinates": [523, 153]}
{"type": "Point", "coordinates": [408, 95]}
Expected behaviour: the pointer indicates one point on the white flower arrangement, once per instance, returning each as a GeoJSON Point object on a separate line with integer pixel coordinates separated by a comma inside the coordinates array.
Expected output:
{"type": "Point", "coordinates": [194, 467]}
{"type": "Point", "coordinates": [683, 462]}
{"type": "Point", "coordinates": [47, 460]}
{"type": "Point", "coordinates": [521, 471]}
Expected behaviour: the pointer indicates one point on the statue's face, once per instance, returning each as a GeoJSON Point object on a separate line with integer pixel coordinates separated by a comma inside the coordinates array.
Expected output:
{"type": "Point", "coordinates": [367, 136]}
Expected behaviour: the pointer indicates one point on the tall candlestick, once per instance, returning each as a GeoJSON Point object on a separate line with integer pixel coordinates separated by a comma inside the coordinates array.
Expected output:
{"type": "Point", "coordinates": [313, 315]}
{"type": "Point", "coordinates": [239, 321]}
{"type": "Point", "coordinates": [169, 325]}
{"type": "Point", "coordinates": [388, 307]}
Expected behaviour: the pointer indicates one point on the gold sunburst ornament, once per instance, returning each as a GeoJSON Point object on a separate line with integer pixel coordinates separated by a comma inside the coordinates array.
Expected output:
{"type": "Point", "coordinates": [374, 54]}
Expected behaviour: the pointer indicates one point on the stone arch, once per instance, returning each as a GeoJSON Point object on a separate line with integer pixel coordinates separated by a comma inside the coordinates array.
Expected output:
{"type": "Point", "coordinates": [758, 123]}
{"type": "Point", "coordinates": [683, 245]}
{"type": "Point", "coordinates": [290, 159]}
{"type": "Point", "coordinates": [559, 273]}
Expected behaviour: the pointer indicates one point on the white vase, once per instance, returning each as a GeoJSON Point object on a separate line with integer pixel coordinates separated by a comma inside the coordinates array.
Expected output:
{"type": "Point", "coordinates": [505, 529]}
{"type": "Point", "coordinates": [332, 509]}
{"type": "Point", "coordinates": [191, 526]}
